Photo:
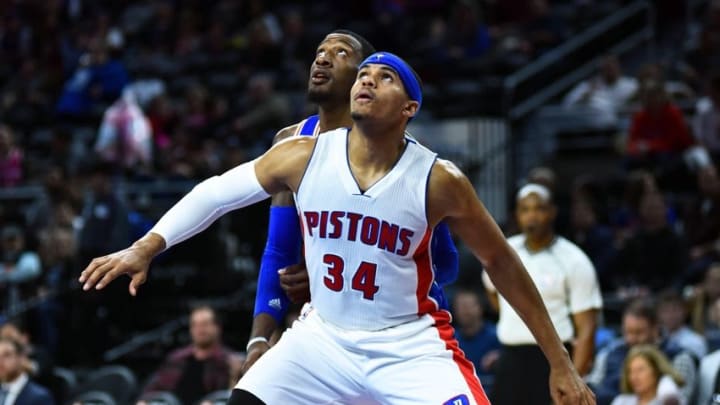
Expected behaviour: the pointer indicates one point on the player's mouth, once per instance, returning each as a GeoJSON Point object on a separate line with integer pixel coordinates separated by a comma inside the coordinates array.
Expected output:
{"type": "Point", "coordinates": [319, 77]}
{"type": "Point", "coordinates": [364, 96]}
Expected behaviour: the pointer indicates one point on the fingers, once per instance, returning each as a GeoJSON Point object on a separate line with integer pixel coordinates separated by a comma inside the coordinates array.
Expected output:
{"type": "Point", "coordinates": [97, 273]}
{"type": "Point", "coordinates": [94, 264]}
{"type": "Point", "coordinates": [298, 293]}
{"type": "Point", "coordinates": [135, 283]}
{"type": "Point", "coordinates": [290, 278]}
{"type": "Point", "coordinates": [295, 268]}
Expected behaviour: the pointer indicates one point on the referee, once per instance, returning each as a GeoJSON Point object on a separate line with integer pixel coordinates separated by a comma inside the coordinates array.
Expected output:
{"type": "Point", "coordinates": [566, 280]}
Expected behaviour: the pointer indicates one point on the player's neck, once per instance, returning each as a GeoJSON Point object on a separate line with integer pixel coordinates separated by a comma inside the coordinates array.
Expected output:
{"type": "Point", "coordinates": [372, 145]}
{"type": "Point", "coordinates": [334, 116]}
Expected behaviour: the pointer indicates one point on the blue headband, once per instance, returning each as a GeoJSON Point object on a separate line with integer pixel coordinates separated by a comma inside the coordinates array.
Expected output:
{"type": "Point", "coordinates": [411, 84]}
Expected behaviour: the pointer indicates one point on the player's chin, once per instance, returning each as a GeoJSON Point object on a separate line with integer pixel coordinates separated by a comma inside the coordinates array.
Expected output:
{"type": "Point", "coordinates": [321, 90]}
{"type": "Point", "coordinates": [357, 115]}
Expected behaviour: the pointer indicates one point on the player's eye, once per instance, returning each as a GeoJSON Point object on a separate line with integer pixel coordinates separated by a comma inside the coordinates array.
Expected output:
{"type": "Point", "coordinates": [387, 77]}
{"type": "Point", "coordinates": [342, 52]}
{"type": "Point", "coordinates": [362, 74]}
{"type": "Point", "coordinates": [321, 54]}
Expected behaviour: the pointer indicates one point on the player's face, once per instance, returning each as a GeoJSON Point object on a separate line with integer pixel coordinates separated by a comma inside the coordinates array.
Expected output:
{"type": "Point", "coordinates": [378, 93]}
{"type": "Point", "coordinates": [535, 215]}
{"type": "Point", "coordinates": [333, 70]}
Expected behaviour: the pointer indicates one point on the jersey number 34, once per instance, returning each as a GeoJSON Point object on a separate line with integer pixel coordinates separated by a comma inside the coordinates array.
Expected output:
{"type": "Point", "coordinates": [363, 280]}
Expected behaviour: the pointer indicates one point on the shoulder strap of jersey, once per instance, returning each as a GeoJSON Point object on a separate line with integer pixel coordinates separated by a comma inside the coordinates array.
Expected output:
{"type": "Point", "coordinates": [309, 126]}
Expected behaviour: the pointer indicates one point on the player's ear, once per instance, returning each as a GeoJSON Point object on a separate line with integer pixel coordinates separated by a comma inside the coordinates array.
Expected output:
{"type": "Point", "coordinates": [410, 108]}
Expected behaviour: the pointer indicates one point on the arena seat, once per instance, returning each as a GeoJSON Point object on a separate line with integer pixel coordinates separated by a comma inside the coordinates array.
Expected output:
{"type": "Point", "coordinates": [217, 397]}
{"type": "Point", "coordinates": [63, 383]}
{"type": "Point", "coordinates": [94, 398]}
{"type": "Point", "coordinates": [160, 398]}
{"type": "Point", "coordinates": [117, 381]}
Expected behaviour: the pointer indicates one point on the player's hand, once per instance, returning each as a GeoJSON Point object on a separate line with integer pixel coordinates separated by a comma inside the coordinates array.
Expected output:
{"type": "Point", "coordinates": [133, 261]}
{"type": "Point", "coordinates": [294, 281]}
{"type": "Point", "coordinates": [254, 353]}
{"type": "Point", "coordinates": [568, 388]}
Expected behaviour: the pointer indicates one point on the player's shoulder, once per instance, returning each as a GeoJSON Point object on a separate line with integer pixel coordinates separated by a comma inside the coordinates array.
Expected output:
{"type": "Point", "coordinates": [446, 171]}
{"type": "Point", "coordinates": [286, 132]}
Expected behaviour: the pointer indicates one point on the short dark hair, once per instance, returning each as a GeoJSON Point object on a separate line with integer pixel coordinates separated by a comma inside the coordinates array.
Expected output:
{"type": "Point", "coordinates": [366, 48]}
{"type": "Point", "coordinates": [205, 307]}
{"type": "Point", "coordinates": [642, 308]}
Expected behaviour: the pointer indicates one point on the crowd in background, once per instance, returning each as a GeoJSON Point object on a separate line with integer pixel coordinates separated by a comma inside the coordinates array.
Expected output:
{"type": "Point", "coordinates": [93, 94]}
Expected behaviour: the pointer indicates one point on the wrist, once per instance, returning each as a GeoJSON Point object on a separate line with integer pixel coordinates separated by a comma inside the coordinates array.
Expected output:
{"type": "Point", "coordinates": [150, 245]}
{"type": "Point", "coordinates": [256, 340]}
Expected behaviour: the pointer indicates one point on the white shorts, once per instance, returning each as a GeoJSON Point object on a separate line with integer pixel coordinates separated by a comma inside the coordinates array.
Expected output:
{"type": "Point", "coordinates": [317, 363]}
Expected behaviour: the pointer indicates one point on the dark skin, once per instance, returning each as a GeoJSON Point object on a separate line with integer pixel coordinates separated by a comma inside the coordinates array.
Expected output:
{"type": "Point", "coordinates": [332, 74]}
{"type": "Point", "coordinates": [535, 217]}
{"type": "Point", "coordinates": [380, 111]}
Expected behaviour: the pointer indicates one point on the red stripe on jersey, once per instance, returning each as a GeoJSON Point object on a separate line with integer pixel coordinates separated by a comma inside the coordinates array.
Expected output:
{"type": "Point", "coordinates": [447, 334]}
{"type": "Point", "coordinates": [425, 276]}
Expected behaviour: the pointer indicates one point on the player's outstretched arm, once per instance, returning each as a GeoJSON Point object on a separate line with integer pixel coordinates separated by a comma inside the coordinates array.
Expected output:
{"type": "Point", "coordinates": [277, 170]}
{"type": "Point", "coordinates": [452, 198]}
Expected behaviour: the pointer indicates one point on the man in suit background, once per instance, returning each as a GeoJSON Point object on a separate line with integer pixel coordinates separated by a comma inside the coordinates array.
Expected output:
{"type": "Point", "coordinates": [16, 388]}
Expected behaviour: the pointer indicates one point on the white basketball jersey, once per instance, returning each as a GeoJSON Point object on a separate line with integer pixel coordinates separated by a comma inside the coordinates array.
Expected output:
{"type": "Point", "coordinates": [367, 253]}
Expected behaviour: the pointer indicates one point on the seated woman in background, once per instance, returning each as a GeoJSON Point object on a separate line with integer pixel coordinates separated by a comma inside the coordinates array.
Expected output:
{"type": "Point", "coordinates": [648, 379]}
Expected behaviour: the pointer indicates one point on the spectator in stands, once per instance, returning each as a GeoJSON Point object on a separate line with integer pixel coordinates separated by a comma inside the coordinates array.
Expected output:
{"type": "Point", "coordinates": [709, 386]}
{"type": "Point", "coordinates": [672, 314]}
{"type": "Point", "coordinates": [639, 327]}
{"type": "Point", "coordinates": [566, 280]}
{"type": "Point", "coordinates": [99, 79]}
{"type": "Point", "coordinates": [706, 124]}
{"type": "Point", "coordinates": [105, 216]}
{"type": "Point", "coordinates": [658, 132]}
{"type": "Point", "coordinates": [605, 94]}
{"type": "Point", "coordinates": [704, 58]}
{"type": "Point", "coordinates": [265, 112]}
{"type": "Point", "coordinates": [17, 388]}
{"type": "Point", "coordinates": [11, 158]}
{"type": "Point", "coordinates": [702, 224]}
{"type": "Point", "coordinates": [476, 337]}
{"type": "Point", "coordinates": [654, 256]}
{"type": "Point", "coordinates": [57, 249]}
{"type": "Point", "coordinates": [544, 30]}
{"type": "Point", "coordinates": [648, 378]}
{"type": "Point", "coordinates": [469, 38]}
{"type": "Point", "coordinates": [199, 369]}
{"type": "Point", "coordinates": [39, 362]}
{"type": "Point", "coordinates": [125, 137]}
{"type": "Point", "coordinates": [19, 266]}
{"type": "Point", "coordinates": [594, 238]}
{"type": "Point", "coordinates": [705, 296]}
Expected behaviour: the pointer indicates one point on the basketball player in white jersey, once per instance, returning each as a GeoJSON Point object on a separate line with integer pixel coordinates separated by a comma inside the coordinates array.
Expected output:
{"type": "Point", "coordinates": [332, 74]}
{"type": "Point", "coordinates": [374, 333]}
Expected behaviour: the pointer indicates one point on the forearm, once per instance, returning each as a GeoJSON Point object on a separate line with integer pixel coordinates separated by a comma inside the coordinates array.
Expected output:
{"type": "Point", "coordinates": [208, 201]}
{"type": "Point", "coordinates": [263, 325]}
{"type": "Point", "coordinates": [583, 353]}
{"type": "Point", "coordinates": [513, 282]}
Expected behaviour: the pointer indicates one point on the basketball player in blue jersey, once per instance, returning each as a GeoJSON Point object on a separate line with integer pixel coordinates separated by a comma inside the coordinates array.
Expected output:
{"type": "Point", "coordinates": [332, 74]}
{"type": "Point", "coordinates": [374, 332]}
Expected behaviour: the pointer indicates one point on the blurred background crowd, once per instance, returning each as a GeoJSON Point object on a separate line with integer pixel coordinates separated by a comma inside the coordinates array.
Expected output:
{"type": "Point", "coordinates": [110, 111]}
